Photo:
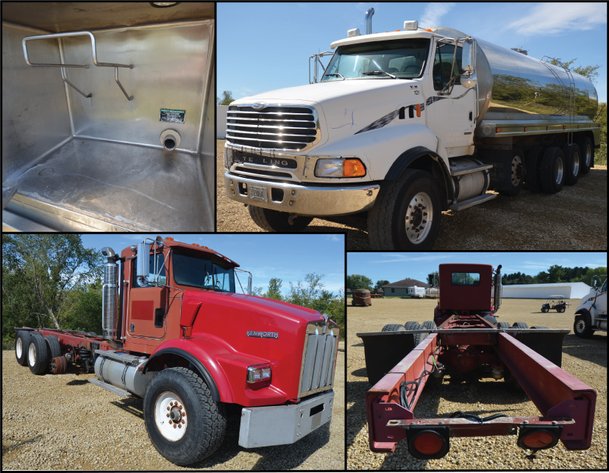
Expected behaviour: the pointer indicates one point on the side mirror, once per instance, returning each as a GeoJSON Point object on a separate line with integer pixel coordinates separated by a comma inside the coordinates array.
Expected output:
{"type": "Point", "coordinates": [249, 284]}
{"type": "Point", "coordinates": [468, 61]}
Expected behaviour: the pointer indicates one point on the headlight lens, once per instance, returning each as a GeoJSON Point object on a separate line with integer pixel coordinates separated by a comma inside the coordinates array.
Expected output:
{"type": "Point", "coordinates": [259, 376]}
{"type": "Point", "coordinates": [340, 167]}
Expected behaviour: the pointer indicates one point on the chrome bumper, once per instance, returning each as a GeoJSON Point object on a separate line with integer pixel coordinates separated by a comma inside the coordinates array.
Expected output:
{"type": "Point", "coordinates": [283, 425]}
{"type": "Point", "coordinates": [301, 199]}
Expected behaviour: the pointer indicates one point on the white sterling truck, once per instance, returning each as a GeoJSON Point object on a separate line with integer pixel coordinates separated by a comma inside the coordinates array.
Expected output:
{"type": "Point", "coordinates": [404, 125]}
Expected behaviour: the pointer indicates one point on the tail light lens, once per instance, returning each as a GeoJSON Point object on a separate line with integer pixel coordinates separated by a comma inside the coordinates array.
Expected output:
{"type": "Point", "coordinates": [426, 442]}
{"type": "Point", "coordinates": [538, 438]}
{"type": "Point", "coordinates": [259, 376]}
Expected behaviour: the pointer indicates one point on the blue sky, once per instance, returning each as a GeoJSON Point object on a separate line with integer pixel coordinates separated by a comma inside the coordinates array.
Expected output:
{"type": "Point", "coordinates": [288, 257]}
{"type": "Point", "coordinates": [396, 266]}
{"type": "Point", "coordinates": [264, 46]}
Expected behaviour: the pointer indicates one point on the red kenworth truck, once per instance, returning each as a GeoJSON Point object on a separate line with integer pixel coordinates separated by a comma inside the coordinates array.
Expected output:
{"type": "Point", "coordinates": [176, 334]}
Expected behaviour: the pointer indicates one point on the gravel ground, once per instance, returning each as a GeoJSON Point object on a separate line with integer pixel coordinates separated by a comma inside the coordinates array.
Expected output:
{"type": "Point", "coordinates": [64, 422]}
{"type": "Point", "coordinates": [575, 218]}
{"type": "Point", "coordinates": [587, 359]}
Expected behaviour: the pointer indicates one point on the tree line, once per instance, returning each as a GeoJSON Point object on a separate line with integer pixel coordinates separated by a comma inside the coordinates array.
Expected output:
{"type": "Point", "coordinates": [52, 280]}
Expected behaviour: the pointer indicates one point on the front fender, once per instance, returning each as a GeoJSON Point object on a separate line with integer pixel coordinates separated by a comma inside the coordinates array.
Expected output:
{"type": "Point", "coordinates": [224, 369]}
{"type": "Point", "coordinates": [379, 148]}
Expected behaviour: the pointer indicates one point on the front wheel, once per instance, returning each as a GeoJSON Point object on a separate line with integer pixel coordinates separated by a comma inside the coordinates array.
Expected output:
{"type": "Point", "coordinates": [183, 421]}
{"type": "Point", "coordinates": [406, 214]}
{"type": "Point", "coordinates": [274, 221]}
{"type": "Point", "coordinates": [583, 326]}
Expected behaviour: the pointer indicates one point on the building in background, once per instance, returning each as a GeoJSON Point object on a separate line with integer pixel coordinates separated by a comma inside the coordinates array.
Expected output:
{"type": "Point", "coordinates": [405, 288]}
{"type": "Point", "coordinates": [568, 290]}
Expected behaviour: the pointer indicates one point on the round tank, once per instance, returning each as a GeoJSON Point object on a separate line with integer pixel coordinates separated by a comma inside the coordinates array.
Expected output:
{"type": "Point", "coordinates": [512, 85]}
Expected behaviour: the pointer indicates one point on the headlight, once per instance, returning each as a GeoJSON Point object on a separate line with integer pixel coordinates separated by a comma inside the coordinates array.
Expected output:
{"type": "Point", "coordinates": [340, 167]}
{"type": "Point", "coordinates": [259, 376]}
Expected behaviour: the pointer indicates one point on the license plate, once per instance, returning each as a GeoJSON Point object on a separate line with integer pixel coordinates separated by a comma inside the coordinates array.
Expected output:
{"type": "Point", "coordinates": [257, 193]}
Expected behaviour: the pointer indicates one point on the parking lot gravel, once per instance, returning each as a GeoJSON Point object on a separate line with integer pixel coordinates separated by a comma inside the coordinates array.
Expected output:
{"type": "Point", "coordinates": [584, 358]}
{"type": "Point", "coordinates": [575, 218]}
{"type": "Point", "coordinates": [55, 422]}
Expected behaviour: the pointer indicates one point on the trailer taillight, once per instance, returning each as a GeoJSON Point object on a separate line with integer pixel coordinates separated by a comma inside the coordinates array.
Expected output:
{"type": "Point", "coordinates": [425, 442]}
{"type": "Point", "coordinates": [538, 438]}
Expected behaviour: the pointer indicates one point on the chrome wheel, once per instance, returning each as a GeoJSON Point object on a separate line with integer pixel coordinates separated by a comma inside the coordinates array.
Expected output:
{"type": "Point", "coordinates": [419, 217]}
{"type": "Point", "coordinates": [588, 155]}
{"type": "Point", "coordinates": [559, 171]}
{"type": "Point", "coordinates": [31, 355]}
{"type": "Point", "coordinates": [170, 416]}
{"type": "Point", "coordinates": [19, 347]}
{"type": "Point", "coordinates": [575, 169]}
{"type": "Point", "coordinates": [516, 174]}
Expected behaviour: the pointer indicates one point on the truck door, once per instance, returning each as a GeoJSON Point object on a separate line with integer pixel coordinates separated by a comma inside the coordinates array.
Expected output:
{"type": "Point", "coordinates": [450, 109]}
{"type": "Point", "coordinates": [147, 305]}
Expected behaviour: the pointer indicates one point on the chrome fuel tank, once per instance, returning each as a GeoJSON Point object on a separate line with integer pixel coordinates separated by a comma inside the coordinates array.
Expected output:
{"type": "Point", "coordinates": [512, 85]}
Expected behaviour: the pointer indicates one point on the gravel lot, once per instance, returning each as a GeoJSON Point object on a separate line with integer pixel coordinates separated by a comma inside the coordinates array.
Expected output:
{"type": "Point", "coordinates": [575, 218]}
{"type": "Point", "coordinates": [64, 422]}
{"type": "Point", "coordinates": [587, 359]}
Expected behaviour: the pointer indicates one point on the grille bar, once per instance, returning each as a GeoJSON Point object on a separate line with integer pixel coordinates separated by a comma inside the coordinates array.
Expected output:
{"type": "Point", "coordinates": [273, 127]}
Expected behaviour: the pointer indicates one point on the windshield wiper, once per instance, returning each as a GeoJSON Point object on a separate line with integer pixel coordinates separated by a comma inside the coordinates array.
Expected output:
{"type": "Point", "coordinates": [335, 74]}
{"type": "Point", "coordinates": [379, 72]}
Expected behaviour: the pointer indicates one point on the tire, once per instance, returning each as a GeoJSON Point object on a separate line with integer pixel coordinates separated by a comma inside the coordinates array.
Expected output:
{"type": "Point", "coordinates": [509, 172]}
{"type": "Point", "coordinates": [560, 309]}
{"type": "Point", "coordinates": [503, 325]}
{"type": "Point", "coordinates": [406, 214]}
{"type": "Point", "coordinates": [393, 328]}
{"type": "Point", "coordinates": [582, 326]}
{"type": "Point", "coordinates": [531, 166]}
{"type": "Point", "coordinates": [54, 346]}
{"type": "Point", "coordinates": [572, 164]}
{"type": "Point", "coordinates": [274, 221]}
{"type": "Point", "coordinates": [39, 356]}
{"type": "Point", "coordinates": [545, 309]}
{"type": "Point", "coordinates": [520, 325]}
{"type": "Point", "coordinates": [586, 147]}
{"type": "Point", "coordinates": [411, 325]}
{"type": "Point", "coordinates": [203, 419]}
{"type": "Point", "coordinates": [22, 342]}
{"type": "Point", "coordinates": [552, 170]}
{"type": "Point", "coordinates": [427, 325]}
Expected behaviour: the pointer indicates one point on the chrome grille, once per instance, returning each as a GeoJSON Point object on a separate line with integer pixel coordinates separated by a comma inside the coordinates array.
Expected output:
{"type": "Point", "coordinates": [319, 359]}
{"type": "Point", "coordinates": [273, 127]}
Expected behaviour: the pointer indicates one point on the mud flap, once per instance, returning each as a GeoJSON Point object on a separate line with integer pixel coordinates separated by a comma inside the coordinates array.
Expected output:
{"type": "Point", "coordinates": [384, 350]}
{"type": "Point", "coordinates": [548, 343]}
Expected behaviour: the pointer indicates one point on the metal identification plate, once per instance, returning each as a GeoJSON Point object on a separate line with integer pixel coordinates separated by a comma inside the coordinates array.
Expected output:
{"type": "Point", "coordinates": [171, 115]}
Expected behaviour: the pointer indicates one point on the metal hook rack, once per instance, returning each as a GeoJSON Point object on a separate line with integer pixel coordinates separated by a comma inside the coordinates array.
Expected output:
{"type": "Point", "coordinates": [63, 66]}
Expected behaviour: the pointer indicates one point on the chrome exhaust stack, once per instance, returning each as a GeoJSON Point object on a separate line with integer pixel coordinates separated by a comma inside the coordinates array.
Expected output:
{"type": "Point", "coordinates": [109, 294]}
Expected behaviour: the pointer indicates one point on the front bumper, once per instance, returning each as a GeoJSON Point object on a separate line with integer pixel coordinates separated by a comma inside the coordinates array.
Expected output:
{"type": "Point", "coordinates": [282, 425]}
{"type": "Point", "coordinates": [301, 199]}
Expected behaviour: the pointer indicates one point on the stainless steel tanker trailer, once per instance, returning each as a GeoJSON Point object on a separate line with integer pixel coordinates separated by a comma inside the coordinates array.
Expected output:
{"type": "Point", "coordinates": [403, 125]}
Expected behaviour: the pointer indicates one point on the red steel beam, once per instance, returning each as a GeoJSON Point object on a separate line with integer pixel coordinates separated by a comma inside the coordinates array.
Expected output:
{"type": "Point", "coordinates": [556, 393]}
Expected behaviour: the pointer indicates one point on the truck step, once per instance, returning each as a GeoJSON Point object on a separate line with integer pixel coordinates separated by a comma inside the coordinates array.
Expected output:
{"type": "Point", "coordinates": [479, 199]}
{"type": "Point", "coordinates": [109, 387]}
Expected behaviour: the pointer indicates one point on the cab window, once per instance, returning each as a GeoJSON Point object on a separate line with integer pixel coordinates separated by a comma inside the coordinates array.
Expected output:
{"type": "Point", "coordinates": [442, 65]}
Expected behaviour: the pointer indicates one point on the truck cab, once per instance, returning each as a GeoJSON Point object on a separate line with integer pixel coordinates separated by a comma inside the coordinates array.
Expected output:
{"type": "Point", "coordinates": [591, 313]}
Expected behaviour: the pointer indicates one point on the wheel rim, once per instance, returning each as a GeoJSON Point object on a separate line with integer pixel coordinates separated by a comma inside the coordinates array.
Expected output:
{"type": "Point", "coordinates": [419, 217]}
{"type": "Point", "coordinates": [19, 347]}
{"type": "Point", "coordinates": [558, 171]}
{"type": "Point", "coordinates": [170, 416]}
{"type": "Point", "coordinates": [588, 155]}
{"type": "Point", "coordinates": [575, 169]}
{"type": "Point", "coordinates": [580, 326]}
{"type": "Point", "coordinates": [516, 170]}
{"type": "Point", "coordinates": [31, 355]}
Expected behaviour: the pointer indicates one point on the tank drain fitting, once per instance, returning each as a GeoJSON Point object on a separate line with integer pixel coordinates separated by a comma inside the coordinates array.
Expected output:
{"type": "Point", "coordinates": [170, 139]}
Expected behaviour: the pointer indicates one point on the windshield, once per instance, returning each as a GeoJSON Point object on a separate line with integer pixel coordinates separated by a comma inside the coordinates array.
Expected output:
{"type": "Point", "coordinates": [199, 270]}
{"type": "Point", "coordinates": [397, 59]}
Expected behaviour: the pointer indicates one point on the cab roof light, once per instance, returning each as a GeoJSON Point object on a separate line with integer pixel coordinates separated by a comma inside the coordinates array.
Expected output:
{"type": "Point", "coordinates": [353, 32]}
{"type": "Point", "coordinates": [411, 25]}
